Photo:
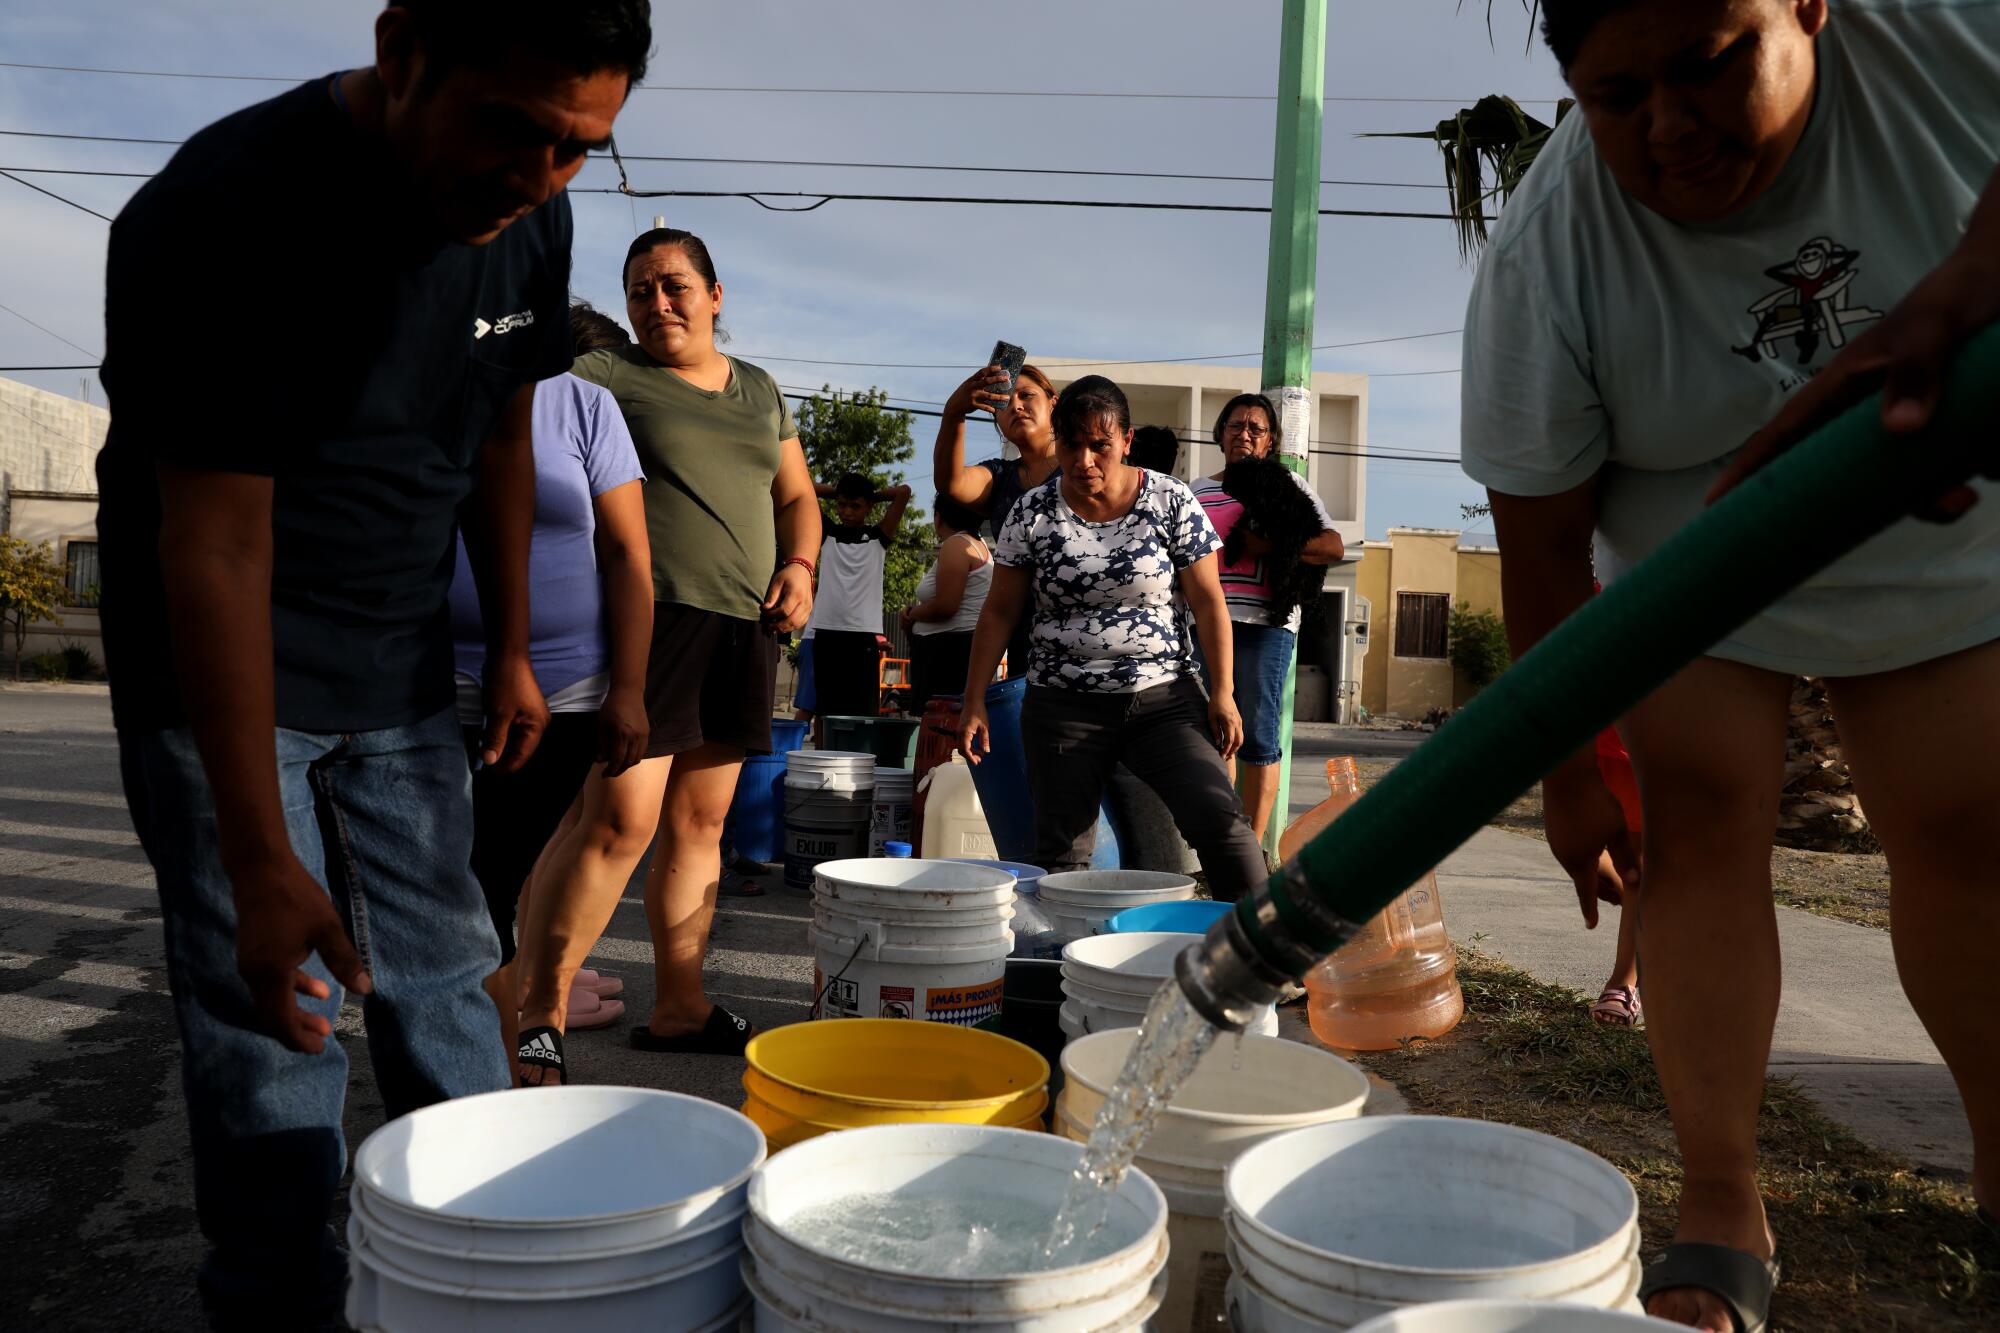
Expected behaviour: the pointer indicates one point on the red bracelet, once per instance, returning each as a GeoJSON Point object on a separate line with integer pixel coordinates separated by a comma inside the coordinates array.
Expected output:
{"type": "Point", "coordinates": [812, 570]}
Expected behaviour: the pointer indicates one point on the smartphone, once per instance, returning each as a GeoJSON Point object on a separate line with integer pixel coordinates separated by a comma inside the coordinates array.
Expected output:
{"type": "Point", "coordinates": [1010, 359]}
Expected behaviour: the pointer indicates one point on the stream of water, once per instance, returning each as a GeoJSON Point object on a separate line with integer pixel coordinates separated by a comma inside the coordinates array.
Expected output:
{"type": "Point", "coordinates": [1171, 1042]}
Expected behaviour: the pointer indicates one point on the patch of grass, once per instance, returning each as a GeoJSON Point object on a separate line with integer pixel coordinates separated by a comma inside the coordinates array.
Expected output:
{"type": "Point", "coordinates": [1868, 1242]}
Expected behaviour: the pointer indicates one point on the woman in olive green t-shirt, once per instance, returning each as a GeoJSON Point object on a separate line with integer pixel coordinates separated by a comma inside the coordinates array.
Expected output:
{"type": "Point", "coordinates": [735, 529]}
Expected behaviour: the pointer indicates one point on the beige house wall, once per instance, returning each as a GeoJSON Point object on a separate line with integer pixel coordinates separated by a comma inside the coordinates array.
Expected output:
{"type": "Point", "coordinates": [1372, 582]}
{"type": "Point", "coordinates": [1420, 560]}
{"type": "Point", "coordinates": [1424, 561]}
{"type": "Point", "coordinates": [38, 517]}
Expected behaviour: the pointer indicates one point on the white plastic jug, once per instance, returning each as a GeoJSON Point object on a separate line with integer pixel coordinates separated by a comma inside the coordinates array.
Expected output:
{"type": "Point", "coordinates": [954, 822]}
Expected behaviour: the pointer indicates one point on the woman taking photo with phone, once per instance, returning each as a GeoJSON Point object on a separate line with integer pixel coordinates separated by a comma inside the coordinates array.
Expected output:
{"type": "Point", "coordinates": [727, 498]}
{"type": "Point", "coordinates": [1101, 555]}
{"type": "Point", "coordinates": [1020, 405]}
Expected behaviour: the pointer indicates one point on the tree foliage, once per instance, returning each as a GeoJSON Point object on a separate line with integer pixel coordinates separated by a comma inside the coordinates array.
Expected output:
{"type": "Point", "coordinates": [859, 432]}
{"type": "Point", "coordinates": [1479, 645]}
{"type": "Point", "coordinates": [32, 588]}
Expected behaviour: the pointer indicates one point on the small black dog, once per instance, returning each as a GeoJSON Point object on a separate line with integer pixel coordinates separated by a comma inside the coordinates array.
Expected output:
{"type": "Point", "coordinates": [1276, 509]}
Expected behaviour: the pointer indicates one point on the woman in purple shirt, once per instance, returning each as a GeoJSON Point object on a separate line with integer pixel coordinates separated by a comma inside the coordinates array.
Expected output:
{"type": "Point", "coordinates": [590, 604]}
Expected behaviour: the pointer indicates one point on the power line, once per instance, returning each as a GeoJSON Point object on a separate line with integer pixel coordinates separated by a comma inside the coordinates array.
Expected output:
{"type": "Point", "coordinates": [53, 195]}
{"type": "Point", "coordinates": [91, 138]}
{"type": "Point", "coordinates": [834, 92]}
{"type": "Point", "coordinates": [858, 166]}
{"type": "Point", "coordinates": [1013, 171]}
{"type": "Point", "coordinates": [71, 171]}
{"type": "Point", "coordinates": [53, 334]}
{"type": "Point", "coordinates": [821, 199]}
{"type": "Point", "coordinates": [1337, 451]}
{"type": "Point", "coordinates": [1134, 361]}
{"type": "Point", "coordinates": [8, 370]}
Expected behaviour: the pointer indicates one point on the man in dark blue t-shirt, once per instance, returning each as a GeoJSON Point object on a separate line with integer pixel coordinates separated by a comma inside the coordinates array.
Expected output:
{"type": "Point", "coordinates": [275, 562]}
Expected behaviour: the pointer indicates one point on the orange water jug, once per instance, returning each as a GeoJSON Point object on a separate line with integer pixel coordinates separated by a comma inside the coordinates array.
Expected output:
{"type": "Point", "coordinates": [1398, 978]}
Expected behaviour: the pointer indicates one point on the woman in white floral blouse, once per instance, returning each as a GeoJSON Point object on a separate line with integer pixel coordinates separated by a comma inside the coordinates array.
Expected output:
{"type": "Point", "coordinates": [1110, 551]}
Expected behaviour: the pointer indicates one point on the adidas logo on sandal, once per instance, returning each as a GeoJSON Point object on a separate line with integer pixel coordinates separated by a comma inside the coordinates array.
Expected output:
{"type": "Point", "coordinates": [540, 1048]}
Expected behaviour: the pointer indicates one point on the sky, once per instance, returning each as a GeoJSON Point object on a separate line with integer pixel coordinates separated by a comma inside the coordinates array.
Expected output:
{"type": "Point", "coordinates": [880, 282]}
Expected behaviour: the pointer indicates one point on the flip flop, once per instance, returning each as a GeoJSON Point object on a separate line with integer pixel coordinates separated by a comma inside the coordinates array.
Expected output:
{"type": "Point", "coordinates": [586, 1010]}
{"type": "Point", "coordinates": [723, 1034]}
{"type": "Point", "coordinates": [732, 885]}
{"type": "Point", "coordinates": [1740, 1280]}
{"type": "Point", "coordinates": [603, 983]}
{"type": "Point", "coordinates": [542, 1048]}
{"type": "Point", "coordinates": [1618, 1007]}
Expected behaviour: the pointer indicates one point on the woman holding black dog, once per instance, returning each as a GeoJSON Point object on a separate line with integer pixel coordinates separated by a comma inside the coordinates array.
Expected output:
{"type": "Point", "coordinates": [1265, 635]}
{"type": "Point", "coordinates": [1102, 553]}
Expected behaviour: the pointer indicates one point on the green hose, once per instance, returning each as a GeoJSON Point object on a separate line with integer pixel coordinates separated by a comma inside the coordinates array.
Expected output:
{"type": "Point", "coordinates": [1850, 480]}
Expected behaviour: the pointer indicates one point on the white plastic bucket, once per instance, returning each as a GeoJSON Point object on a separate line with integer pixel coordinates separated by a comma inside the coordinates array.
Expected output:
{"type": "Point", "coordinates": [898, 938]}
{"type": "Point", "coordinates": [830, 770]}
{"type": "Point", "coordinates": [704, 1296]}
{"type": "Point", "coordinates": [1402, 1210]}
{"type": "Point", "coordinates": [464, 1265]}
{"type": "Point", "coordinates": [1237, 1097]}
{"type": "Point", "coordinates": [1273, 1283]}
{"type": "Point", "coordinates": [895, 794]}
{"type": "Point", "coordinates": [1508, 1317]}
{"type": "Point", "coordinates": [799, 1287]}
{"type": "Point", "coordinates": [559, 1170]}
{"type": "Point", "coordinates": [537, 1209]}
{"type": "Point", "coordinates": [1082, 902]}
{"type": "Point", "coordinates": [1109, 981]}
{"type": "Point", "coordinates": [829, 810]}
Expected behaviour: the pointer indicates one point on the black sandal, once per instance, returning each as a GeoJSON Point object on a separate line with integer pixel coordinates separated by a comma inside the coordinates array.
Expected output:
{"type": "Point", "coordinates": [542, 1048]}
{"type": "Point", "coordinates": [1737, 1278]}
{"type": "Point", "coordinates": [723, 1034]}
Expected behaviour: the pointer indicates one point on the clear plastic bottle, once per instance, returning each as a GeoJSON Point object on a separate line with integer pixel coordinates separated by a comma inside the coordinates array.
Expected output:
{"type": "Point", "coordinates": [1398, 978]}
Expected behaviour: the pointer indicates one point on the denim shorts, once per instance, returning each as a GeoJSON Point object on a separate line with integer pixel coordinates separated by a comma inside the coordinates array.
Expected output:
{"type": "Point", "coordinates": [1263, 654]}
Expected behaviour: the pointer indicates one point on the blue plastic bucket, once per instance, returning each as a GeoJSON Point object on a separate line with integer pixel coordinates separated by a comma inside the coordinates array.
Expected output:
{"type": "Point", "coordinates": [1001, 779]}
{"type": "Point", "coordinates": [757, 814]}
{"type": "Point", "coordinates": [1189, 918]}
{"type": "Point", "coordinates": [787, 734]}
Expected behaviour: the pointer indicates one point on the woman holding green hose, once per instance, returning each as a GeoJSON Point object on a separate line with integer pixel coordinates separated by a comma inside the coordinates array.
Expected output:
{"type": "Point", "coordinates": [1762, 209]}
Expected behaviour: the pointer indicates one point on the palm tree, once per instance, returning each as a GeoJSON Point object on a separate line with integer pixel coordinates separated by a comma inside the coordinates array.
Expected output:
{"type": "Point", "coordinates": [1492, 136]}
{"type": "Point", "coordinates": [1818, 808]}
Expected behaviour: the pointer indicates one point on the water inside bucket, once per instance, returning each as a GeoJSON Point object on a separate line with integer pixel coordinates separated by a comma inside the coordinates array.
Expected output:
{"type": "Point", "coordinates": [948, 1235]}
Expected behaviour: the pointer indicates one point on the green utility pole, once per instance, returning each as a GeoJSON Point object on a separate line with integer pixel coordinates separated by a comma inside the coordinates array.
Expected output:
{"type": "Point", "coordinates": [1288, 298]}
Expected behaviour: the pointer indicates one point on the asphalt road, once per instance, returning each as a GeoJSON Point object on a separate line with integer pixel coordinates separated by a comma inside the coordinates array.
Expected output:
{"type": "Point", "coordinates": [96, 1200]}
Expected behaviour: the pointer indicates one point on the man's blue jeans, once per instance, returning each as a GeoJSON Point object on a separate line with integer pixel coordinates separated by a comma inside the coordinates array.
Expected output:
{"type": "Point", "coordinates": [383, 819]}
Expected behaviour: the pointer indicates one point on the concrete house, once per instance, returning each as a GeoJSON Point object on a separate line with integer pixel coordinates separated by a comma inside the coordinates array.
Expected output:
{"type": "Point", "coordinates": [48, 493]}
{"type": "Point", "coordinates": [1412, 581]}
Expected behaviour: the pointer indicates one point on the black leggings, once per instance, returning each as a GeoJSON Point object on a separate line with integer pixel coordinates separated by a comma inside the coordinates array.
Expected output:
{"type": "Point", "coordinates": [1073, 739]}
{"type": "Point", "coordinates": [515, 814]}
{"type": "Point", "coordinates": [938, 665]}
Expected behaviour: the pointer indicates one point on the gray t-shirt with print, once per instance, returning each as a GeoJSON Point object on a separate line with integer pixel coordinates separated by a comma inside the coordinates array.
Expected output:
{"type": "Point", "coordinates": [1606, 341]}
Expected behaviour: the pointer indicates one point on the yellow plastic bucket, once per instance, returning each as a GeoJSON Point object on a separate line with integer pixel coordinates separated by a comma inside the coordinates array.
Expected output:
{"type": "Point", "coordinates": [814, 1078]}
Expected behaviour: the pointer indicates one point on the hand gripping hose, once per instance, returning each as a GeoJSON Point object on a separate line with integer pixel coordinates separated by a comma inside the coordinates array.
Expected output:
{"type": "Point", "coordinates": [1847, 482]}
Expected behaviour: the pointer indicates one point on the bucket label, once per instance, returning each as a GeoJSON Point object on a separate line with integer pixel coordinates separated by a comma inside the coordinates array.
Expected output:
{"type": "Point", "coordinates": [840, 998]}
{"type": "Point", "coordinates": [964, 1006]}
{"type": "Point", "coordinates": [898, 1002]}
{"type": "Point", "coordinates": [808, 845]}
